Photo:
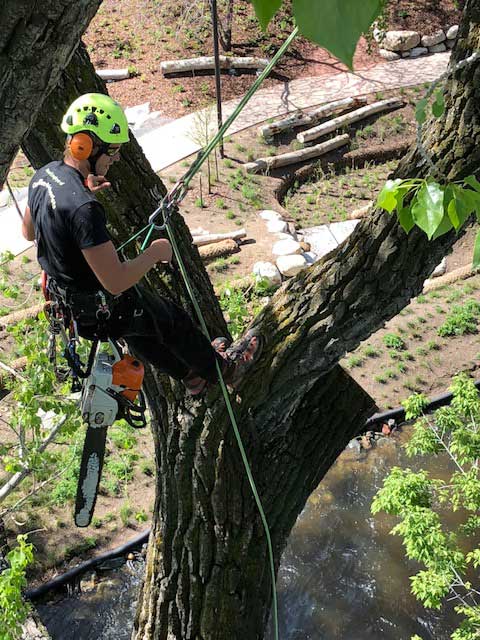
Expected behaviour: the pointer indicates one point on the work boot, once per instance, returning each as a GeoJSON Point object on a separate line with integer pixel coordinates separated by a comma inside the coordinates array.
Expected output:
{"type": "Point", "coordinates": [196, 384]}
{"type": "Point", "coordinates": [241, 356]}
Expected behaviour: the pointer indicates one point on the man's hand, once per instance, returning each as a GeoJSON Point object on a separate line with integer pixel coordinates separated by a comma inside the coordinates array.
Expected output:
{"type": "Point", "coordinates": [97, 183]}
{"type": "Point", "coordinates": [160, 250]}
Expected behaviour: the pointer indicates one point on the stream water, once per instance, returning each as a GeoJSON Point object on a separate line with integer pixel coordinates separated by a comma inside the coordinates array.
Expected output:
{"type": "Point", "coordinates": [342, 577]}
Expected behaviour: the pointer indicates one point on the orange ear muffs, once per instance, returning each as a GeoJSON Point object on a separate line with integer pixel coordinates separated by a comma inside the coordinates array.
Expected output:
{"type": "Point", "coordinates": [81, 146]}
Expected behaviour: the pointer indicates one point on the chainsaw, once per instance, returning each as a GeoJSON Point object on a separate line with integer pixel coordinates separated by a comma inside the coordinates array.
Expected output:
{"type": "Point", "coordinates": [112, 391]}
{"type": "Point", "coordinates": [110, 386]}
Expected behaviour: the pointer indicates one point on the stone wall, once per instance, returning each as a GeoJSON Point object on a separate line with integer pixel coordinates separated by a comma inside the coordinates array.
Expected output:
{"type": "Point", "coordinates": [412, 44]}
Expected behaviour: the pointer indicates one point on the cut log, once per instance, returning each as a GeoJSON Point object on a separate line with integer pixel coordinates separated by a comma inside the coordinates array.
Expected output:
{"type": "Point", "coordinates": [217, 249]}
{"type": "Point", "coordinates": [207, 63]}
{"type": "Point", "coordinates": [300, 119]}
{"type": "Point", "coordinates": [349, 118]}
{"type": "Point", "coordinates": [218, 237]}
{"type": "Point", "coordinates": [9, 372]}
{"type": "Point", "coordinates": [23, 314]}
{"type": "Point", "coordinates": [113, 74]}
{"type": "Point", "coordinates": [462, 273]}
{"type": "Point", "coordinates": [296, 156]}
{"type": "Point", "coordinates": [362, 212]}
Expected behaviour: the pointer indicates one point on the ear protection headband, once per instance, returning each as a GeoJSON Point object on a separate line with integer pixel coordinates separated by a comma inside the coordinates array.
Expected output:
{"type": "Point", "coordinates": [81, 145]}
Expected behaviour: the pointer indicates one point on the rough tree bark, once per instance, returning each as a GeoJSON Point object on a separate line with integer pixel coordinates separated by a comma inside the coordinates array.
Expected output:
{"type": "Point", "coordinates": [40, 37]}
{"type": "Point", "coordinates": [207, 571]}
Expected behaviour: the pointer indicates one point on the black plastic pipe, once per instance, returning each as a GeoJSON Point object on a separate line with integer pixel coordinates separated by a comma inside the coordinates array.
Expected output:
{"type": "Point", "coordinates": [398, 414]}
{"type": "Point", "coordinates": [69, 576]}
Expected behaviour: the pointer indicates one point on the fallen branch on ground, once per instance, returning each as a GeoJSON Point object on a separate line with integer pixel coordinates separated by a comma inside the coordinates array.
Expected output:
{"type": "Point", "coordinates": [296, 156]}
{"type": "Point", "coordinates": [349, 118]}
{"type": "Point", "coordinates": [209, 238]}
{"type": "Point", "coordinates": [301, 119]}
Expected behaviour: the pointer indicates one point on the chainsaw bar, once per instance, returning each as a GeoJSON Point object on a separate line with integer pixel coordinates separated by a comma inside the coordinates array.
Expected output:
{"type": "Point", "coordinates": [90, 473]}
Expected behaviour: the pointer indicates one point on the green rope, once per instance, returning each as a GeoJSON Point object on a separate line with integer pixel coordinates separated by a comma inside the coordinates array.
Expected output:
{"type": "Point", "coordinates": [234, 424]}
{"type": "Point", "coordinates": [175, 197]}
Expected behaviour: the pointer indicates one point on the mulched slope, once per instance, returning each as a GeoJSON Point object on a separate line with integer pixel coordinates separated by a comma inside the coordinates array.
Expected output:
{"type": "Point", "coordinates": [424, 16]}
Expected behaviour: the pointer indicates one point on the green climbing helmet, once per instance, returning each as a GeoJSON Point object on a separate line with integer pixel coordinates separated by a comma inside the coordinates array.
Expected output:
{"type": "Point", "coordinates": [99, 114]}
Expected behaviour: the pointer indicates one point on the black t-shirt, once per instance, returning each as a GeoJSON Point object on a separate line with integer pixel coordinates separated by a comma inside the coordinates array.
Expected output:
{"type": "Point", "coordinates": [67, 218]}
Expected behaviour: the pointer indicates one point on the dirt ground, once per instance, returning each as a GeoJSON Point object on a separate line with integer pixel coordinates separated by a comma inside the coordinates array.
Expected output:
{"type": "Point", "coordinates": [143, 33]}
{"type": "Point", "coordinates": [139, 34]}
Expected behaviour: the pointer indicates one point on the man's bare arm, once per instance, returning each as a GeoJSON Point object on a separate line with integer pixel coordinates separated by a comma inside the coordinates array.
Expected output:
{"type": "Point", "coordinates": [28, 230]}
{"type": "Point", "coordinates": [117, 276]}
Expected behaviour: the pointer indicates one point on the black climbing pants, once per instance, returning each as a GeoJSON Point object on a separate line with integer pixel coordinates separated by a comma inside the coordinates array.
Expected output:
{"type": "Point", "coordinates": [158, 331]}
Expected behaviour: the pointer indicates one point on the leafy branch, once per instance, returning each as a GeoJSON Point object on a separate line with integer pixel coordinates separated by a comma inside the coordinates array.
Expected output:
{"type": "Point", "coordinates": [419, 501]}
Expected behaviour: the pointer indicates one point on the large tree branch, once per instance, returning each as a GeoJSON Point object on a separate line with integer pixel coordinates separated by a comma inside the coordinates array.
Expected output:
{"type": "Point", "coordinates": [37, 41]}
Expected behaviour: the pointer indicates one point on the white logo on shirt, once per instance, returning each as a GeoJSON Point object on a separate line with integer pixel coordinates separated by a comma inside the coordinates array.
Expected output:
{"type": "Point", "coordinates": [55, 178]}
{"type": "Point", "coordinates": [48, 187]}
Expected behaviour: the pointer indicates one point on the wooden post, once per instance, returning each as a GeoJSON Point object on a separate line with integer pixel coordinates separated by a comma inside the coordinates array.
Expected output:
{"type": "Point", "coordinates": [213, 8]}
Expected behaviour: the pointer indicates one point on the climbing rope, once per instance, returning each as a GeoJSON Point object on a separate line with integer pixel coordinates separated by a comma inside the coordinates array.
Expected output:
{"type": "Point", "coordinates": [167, 205]}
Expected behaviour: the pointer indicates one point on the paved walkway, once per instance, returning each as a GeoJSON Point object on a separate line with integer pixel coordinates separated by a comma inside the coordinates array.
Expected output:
{"type": "Point", "coordinates": [171, 142]}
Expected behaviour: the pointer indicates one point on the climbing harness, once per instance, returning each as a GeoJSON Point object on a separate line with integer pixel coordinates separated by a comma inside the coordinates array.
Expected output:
{"type": "Point", "coordinates": [110, 383]}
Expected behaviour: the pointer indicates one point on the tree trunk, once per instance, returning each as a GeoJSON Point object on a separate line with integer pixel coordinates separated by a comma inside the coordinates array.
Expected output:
{"type": "Point", "coordinates": [225, 26]}
{"type": "Point", "coordinates": [207, 568]}
{"type": "Point", "coordinates": [36, 42]}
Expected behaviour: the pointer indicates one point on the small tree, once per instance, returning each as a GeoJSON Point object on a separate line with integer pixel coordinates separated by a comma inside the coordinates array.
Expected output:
{"type": "Point", "coordinates": [202, 132]}
{"type": "Point", "coordinates": [420, 501]}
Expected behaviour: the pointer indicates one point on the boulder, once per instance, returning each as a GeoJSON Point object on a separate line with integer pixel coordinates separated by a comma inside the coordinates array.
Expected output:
{"type": "Point", "coordinates": [452, 32]}
{"type": "Point", "coordinates": [435, 38]}
{"type": "Point", "coordinates": [440, 269]}
{"type": "Point", "coordinates": [406, 54]}
{"type": "Point", "coordinates": [268, 271]}
{"type": "Point", "coordinates": [400, 40]}
{"type": "Point", "coordinates": [277, 226]}
{"type": "Point", "coordinates": [450, 43]}
{"type": "Point", "coordinates": [388, 55]}
{"type": "Point", "coordinates": [284, 236]}
{"type": "Point", "coordinates": [438, 48]}
{"type": "Point", "coordinates": [418, 51]}
{"type": "Point", "coordinates": [327, 237]}
{"type": "Point", "coordinates": [290, 265]}
{"type": "Point", "coordinates": [286, 247]}
{"type": "Point", "coordinates": [269, 214]}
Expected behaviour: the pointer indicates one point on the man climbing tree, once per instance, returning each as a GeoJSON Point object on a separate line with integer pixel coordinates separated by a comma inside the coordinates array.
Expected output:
{"type": "Point", "coordinates": [207, 573]}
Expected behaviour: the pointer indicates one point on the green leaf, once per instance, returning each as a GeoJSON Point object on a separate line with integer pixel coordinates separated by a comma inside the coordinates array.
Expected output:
{"type": "Point", "coordinates": [473, 182]}
{"type": "Point", "coordinates": [265, 10]}
{"type": "Point", "coordinates": [444, 227]}
{"type": "Point", "coordinates": [467, 201]}
{"type": "Point", "coordinates": [438, 107]}
{"type": "Point", "coordinates": [421, 110]}
{"type": "Point", "coordinates": [405, 218]}
{"type": "Point", "coordinates": [427, 210]}
{"type": "Point", "coordinates": [476, 252]}
{"type": "Point", "coordinates": [336, 25]}
{"type": "Point", "coordinates": [387, 198]}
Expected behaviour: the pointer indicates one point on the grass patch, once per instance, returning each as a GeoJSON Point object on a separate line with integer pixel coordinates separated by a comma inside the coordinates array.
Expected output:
{"type": "Point", "coordinates": [462, 319]}
{"type": "Point", "coordinates": [392, 341]}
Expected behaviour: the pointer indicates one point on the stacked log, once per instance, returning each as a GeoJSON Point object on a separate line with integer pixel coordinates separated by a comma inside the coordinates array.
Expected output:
{"type": "Point", "coordinates": [349, 118]}
{"type": "Point", "coordinates": [215, 250]}
{"type": "Point", "coordinates": [300, 119]}
{"type": "Point", "coordinates": [301, 155]}
{"type": "Point", "coordinates": [209, 238]}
